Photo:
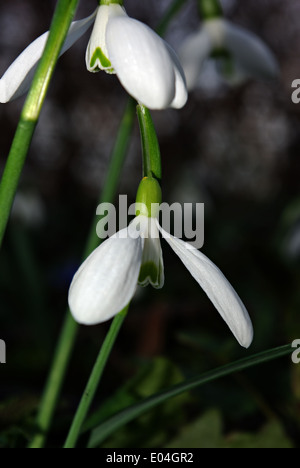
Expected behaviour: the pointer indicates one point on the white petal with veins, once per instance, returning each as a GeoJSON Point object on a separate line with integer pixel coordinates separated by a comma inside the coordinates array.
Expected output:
{"type": "Point", "coordinates": [217, 288]}
{"type": "Point", "coordinates": [18, 77]}
{"type": "Point", "coordinates": [152, 268]}
{"type": "Point", "coordinates": [97, 42]}
{"type": "Point", "coordinates": [181, 94]}
{"type": "Point", "coordinates": [106, 282]}
{"type": "Point", "coordinates": [141, 61]}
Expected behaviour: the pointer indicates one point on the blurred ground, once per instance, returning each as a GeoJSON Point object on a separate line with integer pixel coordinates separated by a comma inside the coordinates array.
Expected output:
{"type": "Point", "coordinates": [234, 149]}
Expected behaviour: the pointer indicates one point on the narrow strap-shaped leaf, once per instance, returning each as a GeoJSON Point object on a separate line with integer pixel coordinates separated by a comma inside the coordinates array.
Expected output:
{"type": "Point", "coordinates": [70, 327]}
{"type": "Point", "coordinates": [100, 433]}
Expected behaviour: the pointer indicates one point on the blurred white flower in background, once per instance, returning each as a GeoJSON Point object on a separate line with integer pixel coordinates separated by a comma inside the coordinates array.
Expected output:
{"type": "Point", "coordinates": [238, 54]}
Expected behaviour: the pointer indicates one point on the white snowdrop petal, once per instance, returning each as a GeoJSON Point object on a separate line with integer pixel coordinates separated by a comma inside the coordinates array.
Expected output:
{"type": "Point", "coordinates": [252, 54]}
{"type": "Point", "coordinates": [141, 61]}
{"type": "Point", "coordinates": [192, 54]}
{"type": "Point", "coordinates": [17, 79]}
{"type": "Point", "coordinates": [106, 282]}
{"type": "Point", "coordinates": [152, 268]}
{"type": "Point", "coordinates": [181, 94]}
{"type": "Point", "coordinates": [97, 57]}
{"type": "Point", "coordinates": [217, 288]}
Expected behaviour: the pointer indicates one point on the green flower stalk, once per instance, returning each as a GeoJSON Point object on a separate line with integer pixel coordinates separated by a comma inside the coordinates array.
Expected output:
{"type": "Point", "coordinates": [106, 282]}
{"type": "Point", "coordinates": [94, 379]}
{"type": "Point", "coordinates": [70, 327]}
{"type": "Point", "coordinates": [69, 330]}
{"type": "Point", "coordinates": [63, 16]}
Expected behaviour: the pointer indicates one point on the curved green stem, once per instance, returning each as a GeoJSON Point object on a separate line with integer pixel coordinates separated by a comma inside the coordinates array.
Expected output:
{"type": "Point", "coordinates": [152, 168]}
{"type": "Point", "coordinates": [63, 16]}
{"type": "Point", "coordinates": [54, 383]}
{"type": "Point", "coordinates": [69, 330]}
{"type": "Point", "coordinates": [150, 145]}
{"type": "Point", "coordinates": [94, 379]}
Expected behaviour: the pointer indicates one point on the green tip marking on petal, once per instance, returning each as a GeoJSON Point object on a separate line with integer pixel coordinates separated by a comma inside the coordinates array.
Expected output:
{"type": "Point", "coordinates": [149, 273]}
{"type": "Point", "coordinates": [99, 55]}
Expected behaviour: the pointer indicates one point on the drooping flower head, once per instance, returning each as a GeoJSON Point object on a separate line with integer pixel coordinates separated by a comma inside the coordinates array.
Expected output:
{"type": "Point", "coordinates": [106, 282]}
{"type": "Point", "coordinates": [240, 54]}
{"type": "Point", "coordinates": [145, 64]}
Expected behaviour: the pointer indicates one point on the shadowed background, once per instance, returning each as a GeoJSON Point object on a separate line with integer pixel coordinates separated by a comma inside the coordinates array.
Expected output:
{"type": "Point", "coordinates": [236, 149]}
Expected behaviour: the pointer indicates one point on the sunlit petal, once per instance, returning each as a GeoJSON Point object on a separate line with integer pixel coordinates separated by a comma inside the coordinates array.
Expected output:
{"type": "Point", "coordinates": [181, 94]}
{"type": "Point", "coordinates": [17, 79]}
{"type": "Point", "coordinates": [107, 280]}
{"type": "Point", "coordinates": [141, 61]}
{"type": "Point", "coordinates": [97, 56]}
{"type": "Point", "coordinates": [217, 288]}
{"type": "Point", "coordinates": [152, 268]}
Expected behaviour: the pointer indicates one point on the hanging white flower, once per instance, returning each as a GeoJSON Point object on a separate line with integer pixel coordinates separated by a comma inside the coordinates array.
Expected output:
{"type": "Point", "coordinates": [146, 66]}
{"type": "Point", "coordinates": [17, 79]}
{"type": "Point", "coordinates": [106, 282]}
{"type": "Point", "coordinates": [241, 54]}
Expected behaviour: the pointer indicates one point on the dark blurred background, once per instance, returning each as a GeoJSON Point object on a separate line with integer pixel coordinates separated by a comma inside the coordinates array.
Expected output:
{"type": "Point", "coordinates": [236, 149]}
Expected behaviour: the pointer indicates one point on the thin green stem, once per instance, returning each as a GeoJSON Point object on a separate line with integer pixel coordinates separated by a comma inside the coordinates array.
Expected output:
{"type": "Point", "coordinates": [152, 168]}
{"type": "Point", "coordinates": [150, 145]}
{"type": "Point", "coordinates": [55, 380]}
{"type": "Point", "coordinates": [94, 379]}
{"type": "Point", "coordinates": [69, 330]}
{"type": "Point", "coordinates": [62, 18]}
{"type": "Point", "coordinates": [111, 425]}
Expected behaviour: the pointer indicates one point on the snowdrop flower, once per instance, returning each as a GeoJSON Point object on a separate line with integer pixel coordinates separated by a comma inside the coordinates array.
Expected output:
{"type": "Point", "coordinates": [243, 55]}
{"type": "Point", "coordinates": [145, 64]}
{"type": "Point", "coordinates": [107, 280]}
{"type": "Point", "coordinates": [17, 79]}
